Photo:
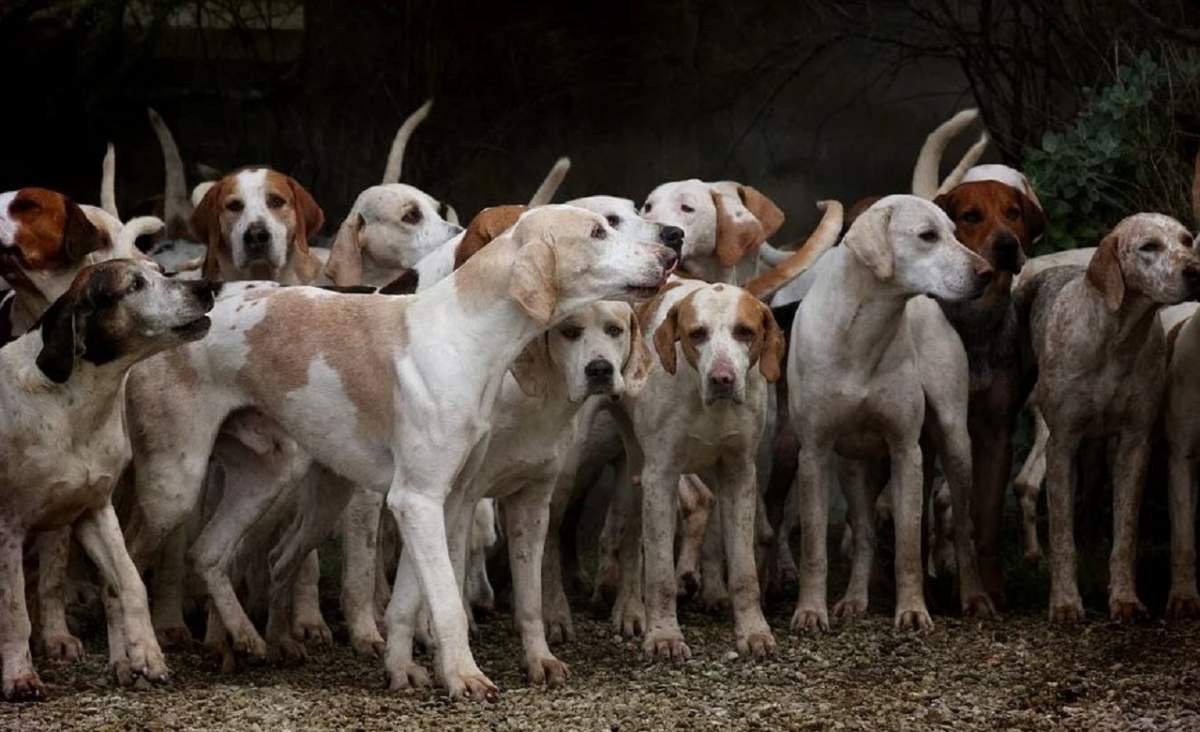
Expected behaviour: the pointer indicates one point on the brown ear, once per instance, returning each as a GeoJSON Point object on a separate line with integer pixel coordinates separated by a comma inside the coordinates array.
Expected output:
{"type": "Point", "coordinates": [1035, 220]}
{"type": "Point", "coordinates": [636, 368]}
{"type": "Point", "coordinates": [533, 368]}
{"type": "Point", "coordinates": [737, 231]}
{"type": "Point", "coordinates": [486, 226]}
{"type": "Point", "coordinates": [206, 227]}
{"type": "Point", "coordinates": [868, 240]}
{"type": "Point", "coordinates": [80, 236]}
{"type": "Point", "coordinates": [665, 338]}
{"type": "Point", "coordinates": [769, 216]}
{"type": "Point", "coordinates": [309, 220]}
{"type": "Point", "coordinates": [345, 256]}
{"type": "Point", "coordinates": [534, 282]}
{"type": "Point", "coordinates": [948, 202]}
{"type": "Point", "coordinates": [770, 361]}
{"type": "Point", "coordinates": [1104, 273]}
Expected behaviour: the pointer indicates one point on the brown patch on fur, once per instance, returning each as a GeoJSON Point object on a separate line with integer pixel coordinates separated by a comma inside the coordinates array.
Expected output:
{"type": "Point", "coordinates": [680, 321]}
{"type": "Point", "coordinates": [487, 225]}
{"type": "Point", "coordinates": [1104, 273]}
{"type": "Point", "coordinates": [986, 212]}
{"type": "Point", "coordinates": [52, 233]}
{"type": "Point", "coordinates": [764, 209]}
{"type": "Point", "coordinates": [298, 327]}
{"type": "Point", "coordinates": [737, 232]}
{"type": "Point", "coordinates": [645, 311]}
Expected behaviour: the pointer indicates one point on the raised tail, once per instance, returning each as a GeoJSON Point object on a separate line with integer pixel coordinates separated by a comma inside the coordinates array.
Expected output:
{"type": "Point", "coordinates": [391, 172]}
{"type": "Point", "coordinates": [177, 209]}
{"type": "Point", "coordinates": [108, 182]}
{"type": "Point", "coordinates": [545, 192]}
{"type": "Point", "coordinates": [925, 173]}
{"type": "Point", "coordinates": [823, 237]}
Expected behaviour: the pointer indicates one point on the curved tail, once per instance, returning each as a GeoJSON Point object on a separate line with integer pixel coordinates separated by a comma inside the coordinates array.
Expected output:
{"type": "Point", "coordinates": [135, 227]}
{"type": "Point", "coordinates": [177, 209]}
{"type": "Point", "coordinates": [925, 173]}
{"type": "Point", "coordinates": [968, 161]}
{"type": "Point", "coordinates": [771, 255]}
{"type": "Point", "coordinates": [395, 159]}
{"type": "Point", "coordinates": [545, 192]}
{"type": "Point", "coordinates": [823, 237]}
{"type": "Point", "coordinates": [108, 182]}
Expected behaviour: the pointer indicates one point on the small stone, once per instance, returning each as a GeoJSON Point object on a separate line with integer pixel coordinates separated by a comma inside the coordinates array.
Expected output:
{"type": "Point", "coordinates": [731, 656]}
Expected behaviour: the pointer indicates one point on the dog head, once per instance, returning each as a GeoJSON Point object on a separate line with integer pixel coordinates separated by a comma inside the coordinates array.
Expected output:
{"type": "Point", "coordinates": [45, 238]}
{"type": "Point", "coordinates": [390, 227]}
{"type": "Point", "coordinates": [724, 333]}
{"type": "Point", "coordinates": [568, 257]}
{"type": "Point", "coordinates": [721, 222]}
{"type": "Point", "coordinates": [909, 242]}
{"type": "Point", "coordinates": [1149, 255]}
{"type": "Point", "coordinates": [995, 220]}
{"type": "Point", "coordinates": [120, 311]}
{"type": "Point", "coordinates": [256, 223]}
{"type": "Point", "coordinates": [596, 350]}
{"type": "Point", "coordinates": [622, 214]}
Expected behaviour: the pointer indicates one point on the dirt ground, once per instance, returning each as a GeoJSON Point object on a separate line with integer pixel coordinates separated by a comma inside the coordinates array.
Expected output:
{"type": "Point", "coordinates": [1015, 673]}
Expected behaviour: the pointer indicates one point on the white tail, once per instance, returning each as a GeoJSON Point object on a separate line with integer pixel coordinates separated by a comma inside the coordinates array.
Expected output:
{"type": "Point", "coordinates": [771, 255]}
{"type": "Point", "coordinates": [391, 172]}
{"type": "Point", "coordinates": [545, 192]}
{"type": "Point", "coordinates": [108, 182]}
{"type": "Point", "coordinates": [823, 237]}
{"type": "Point", "coordinates": [135, 227]}
{"type": "Point", "coordinates": [968, 161]}
{"type": "Point", "coordinates": [925, 173]}
{"type": "Point", "coordinates": [177, 209]}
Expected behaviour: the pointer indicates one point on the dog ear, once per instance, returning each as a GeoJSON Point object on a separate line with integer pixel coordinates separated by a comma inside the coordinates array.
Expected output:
{"type": "Point", "coordinates": [948, 202]}
{"type": "Point", "coordinates": [769, 216]}
{"type": "Point", "coordinates": [1035, 220]}
{"type": "Point", "coordinates": [665, 338]}
{"type": "Point", "coordinates": [868, 240]}
{"type": "Point", "coordinates": [60, 341]}
{"type": "Point", "coordinates": [1104, 273]}
{"type": "Point", "coordinates": [770, 358]}
{"type": "Point", "coordinates": [345, 256]}
{"type": "Point", "coordinates": [639, 361]}
{"type": "Point", "coordinates": [309, 220]}
{"type": "Point", "coordinates": [533, 368]}
{"type": "Point", "coordinates": [206, 227]}
{"type": "Point", "coordinates": [487, 225]}
{"type": "Point", "coordinates": [738, 231]}
{"type": "Point", "coordinates": [534, 281]}
{"type": "Point", "coordinates": [80, 236]}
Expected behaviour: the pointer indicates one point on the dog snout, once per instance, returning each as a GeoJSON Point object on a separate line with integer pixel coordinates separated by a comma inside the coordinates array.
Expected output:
{"type": "Point", "coordinates": [1006, 254]}
{"type": "Point", "coordinates": [1191, 276]}
{"type": "Point", "coordinates": [672, 236]}
{"type": "Point", "coordinates": [599, 373]}
{"type": "Point", "coordinates": [983, 275]}
{"type": "Point", "coordinates": [722, 381]}
{"type": "Point", "coordinates": [256, 240]}
{"type": "Point", "coordinates": [668, 259]}
{"type": "Point", "coordinates": [205, 291]}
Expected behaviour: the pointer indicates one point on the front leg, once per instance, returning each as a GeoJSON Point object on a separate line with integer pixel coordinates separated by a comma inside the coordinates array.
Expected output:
{"type": "Point", "coordinates": [812, 609]}
{"type": "Point", "coordinates": [907, 504]}
{"type": "Point", "coordinates": [1128, 482]}
{"type": "Point", "coordinates": [167, 586]}
{"type": "Point", "coordinates": [53, 552]}
{"type": "Point", "coordinates": [738, 495]}
{"type": "Point", "coordinates": [664, 639]}
{"type": "Point", "coordinates": [1184, 601]}
{"type": "Point", "coordinates": [954, 445]}
{"type": "Point", "coordinates": [1028, 485]}
{"type": "Point", "coordinates": [20, 680]}
{"type": "Point", "coordinates": [860, 516]}
{"type": "Point", "coordinates": [526, 516]}
{"type": "Point", "coordinates": [1065, 604]}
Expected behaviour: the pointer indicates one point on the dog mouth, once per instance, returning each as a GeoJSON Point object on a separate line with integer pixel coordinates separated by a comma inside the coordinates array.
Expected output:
{"type": "Point", "coordinates": [194, 329]}
{"type": "Point", "coordinates": [647, 291]}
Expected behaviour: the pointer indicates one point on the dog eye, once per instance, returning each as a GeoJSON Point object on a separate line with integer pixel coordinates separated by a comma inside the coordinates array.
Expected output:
{"type": "Point", "coordinates": [234, 205]}
{"type": "Point", "coordinates": [743, 333]}
{"type": "Point", "coordinates": [1151, 246]}
{"type": "Point", "coordinates": [572, 332]}
{"type": "Point", "coordinates": [698, 335]}
{"type": "Point", "coordinates": [138, 283]}
{"type": "Point", "coordinates": [613, 221]}
{"type": "Point", "coordinates": [686, 208]}
{"type": "Point", "coordinates": [1013, 213]}
{"type": "Point", "coordinates": [613, 331]}
{"type": "Point", "coordinates": [647, 206]}
{"type": "Point", "coordinates": [412, 216]}
{"type": "Point", "coordinates": [598, 232]}
{"type": "Point", "coordinates": [972, 217]}
{"type": "Point", "coordinates": [275, 201]}
{"type": "Point", "coordinates": [21, 205]}
{"type": "Point", "coordinates": [928, 236]}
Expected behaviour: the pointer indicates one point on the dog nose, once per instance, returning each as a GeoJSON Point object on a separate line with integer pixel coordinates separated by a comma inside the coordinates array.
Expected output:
{"type": "Point", "coordinates": [672, 236]}
{"type": "Point", "coordinates": [206, 291]}
{"type": "Point", "coordinates": [1006, 251]}
{"type": "Point", "coordinates": [1191, 275]}
{"type": "Point", "coordinates": [256, 238]}
{"type": "Point", "coordinates": [598, 370]}
{"type": "Point", "coordinates": [721, 376]}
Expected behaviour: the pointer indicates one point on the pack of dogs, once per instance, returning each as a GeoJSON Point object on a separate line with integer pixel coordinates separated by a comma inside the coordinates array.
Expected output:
{"type": "Point", "coordinates": [205, 409]}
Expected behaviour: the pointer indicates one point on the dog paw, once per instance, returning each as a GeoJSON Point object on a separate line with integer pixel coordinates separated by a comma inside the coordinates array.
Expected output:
{"type": "Point", "coordinates": [1033, 555]}
{"type": "Point", "coordinates": [175, 637]}
{"type": "Point", "coordinates": [560, 630]}
{"type": "Point", "coordinates": [547, 671]}
{"type": "Point", "coordinates": [666, 646]}
{"type": "Point", "coordinates": [147, 661]}
{"type": "Point", "coordinates": [759, 644]}
{"type": "Point", "coordinates": [850, 608]}
{"type": "Point", "coordinates": [24, 687]}
{"type": "Point", "coordinates": [687, 583]}
{"type": "Point", "coordinates": [1066, 611]}
{"type": "Point", "coordinates": [916, 618]}
{"type": "Point", "coordinates": [288, 652]}
{"type": "Point", "coordinates": [810, 618]}
{"type": "Point", "coordinates": [629, 618]}
{"type": "Point", "coordinates": [409, 676]}
{"type": "Point", "coordinates": [247, 642]}
{"type": "Point", "coordinates": [978, 605]}
{"type": "Point", "coordinates": [220, 656]}
{"type": "Point", "coordinates": [62, 647]}
{"type": "Point", "coordinates": [471, 687]}
{"type": "Point", "coordinates": [1183, 605]}
{"type": "Point", "coordinates": [312, 631]}
{"type": "Point", "coordinates": [1127, 609]}
{"type": "Point", "coordinates": [121, 671]}
{"type": "Point", "coordinates": [716, 603]}
{"type": "Point", "coordinates": [370, 646]}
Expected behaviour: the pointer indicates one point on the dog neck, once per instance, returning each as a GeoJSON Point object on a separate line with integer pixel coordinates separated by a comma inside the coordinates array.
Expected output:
{"type": "Point", "coordinates": [1126, 329]}
{"type": "Point", "coordinates": [860, 314]}
{"type": "Point", "coordinates": [92, 390]}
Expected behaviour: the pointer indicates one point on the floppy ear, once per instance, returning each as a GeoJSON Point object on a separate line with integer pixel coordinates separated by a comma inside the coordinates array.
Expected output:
{"type": "Point", "coordinates": [638, 362]}
{"type": "Point", "coordinates": [345, 256]}
{"type": "Point", "coordinates": [1104, 273]}
{"type": "Point", "coordinates": [770, 361]}
{"type": "Point", "coordinates": [487, 225]}
{"type": "Point", "coordinates": [948, 202]}
{"type": "Point", "coordinates": [769, 216]}
{"type": "Point", "coordinates": [533, 368]}
{"type": "Point", "coordinates": [1035, 220]}
{"type": "Point", "coordinates": [80, 236]}
{"type": "Point", "coordinates": [737, 231]}
{"type": "Point", "coordinates": [665, 338]}
{"type": "Point", "coordinates": [405, 284]}
{"type": "Point", "coordinates": [60, 344]}
{"type": "Point", "coordinates": [206, 227]}
{"type": "Point", "coordinates": [869, 242]}
{"type": "Point", "coordinates": [534, 284]}
{"type": "Point", "coordinates": [309, 220]}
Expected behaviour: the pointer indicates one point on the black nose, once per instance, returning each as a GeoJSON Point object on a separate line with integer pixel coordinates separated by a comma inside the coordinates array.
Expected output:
{"type": "Point", "coordinates": [1191, 275]}
{"type": "Point", "coordinates": [672, 236]}
{"type": "Point", "coordinates": [598, 370]}
{"type": "Point", "coordinates": [256, 239]}
{"type": "Point", "coordinates": [1006, 253]}
{"type": "Point", "coordinates": [206, 291]}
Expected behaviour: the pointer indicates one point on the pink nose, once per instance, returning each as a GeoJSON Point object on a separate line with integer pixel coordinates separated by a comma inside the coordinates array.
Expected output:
{"type": "Point", "coordinates": [721, 375]}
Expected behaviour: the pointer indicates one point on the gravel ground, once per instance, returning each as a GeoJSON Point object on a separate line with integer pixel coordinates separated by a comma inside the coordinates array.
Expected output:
{"type": "Point", "coordinates": [1015, 673]}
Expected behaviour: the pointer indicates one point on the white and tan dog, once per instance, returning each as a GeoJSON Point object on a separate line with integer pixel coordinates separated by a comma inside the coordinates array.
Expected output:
{"type": "Point", "coordinates": [870, 364]}
{"type": "Point", "coordinates": [65, 445]}
{"type": "Point", "coordinates": [311, 360]}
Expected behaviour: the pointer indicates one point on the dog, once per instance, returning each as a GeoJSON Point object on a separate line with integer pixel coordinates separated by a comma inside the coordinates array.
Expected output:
{"type": "Point", "coordinates": [555, 261]}
{"type": "Point", "coordinates": [1101, 370]}
{"type": "Point", "coordinates": [66, 445]}
{"type": "Point", "coordinates": [876, 359]}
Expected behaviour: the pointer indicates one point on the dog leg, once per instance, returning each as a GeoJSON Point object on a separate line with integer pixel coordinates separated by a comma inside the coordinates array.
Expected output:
{"type": "Point", "coordinates": [860, 514]}
{"type": "Point", "coordinates": [908, 498]}
{"type": "Point", "coordinates": [556, 611]}
{"type": "Point", "coordinates": [402, 671]}
{"type": "Point", "coordinates": [738, 494]}
{"type": "Point", "coordinates": [1065, 604]}
{"type": "Point", "coordinates": [360, 548]}
{"type": "Point", "coordinates": [101, 537]}
{"type": "Point", "coordinates": [812, 611]}
{"type": "Point", "coordinates": [714, 592]}
{"type": "Point", "coordinates": [609, 564]}
{"type": "Point", "coordinates": [526, 515]}
{"type": "Point", "coordinates": [53, 552]}
{"type": "Point", "coordinates": [629, 610]}
{"type": "Point", "coordinates": [664, 639]}
{"type": "Point", "coordinates": [696, 504]}
{"type": "Point", "coordinates": [1184, 600]}
{"type": "Point", "coordinates": [167, 588]}
{"type": "Point", "coordinates": [1028, 485]}
{"type": "Point", "coordinates": [1128, 483]}
{"type": "Point", "coordinates": [20, 680]}
{"type": "Point", "coordinates": [307, 622]}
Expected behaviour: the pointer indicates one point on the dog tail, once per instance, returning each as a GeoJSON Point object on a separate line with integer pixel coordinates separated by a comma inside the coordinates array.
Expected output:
{"type": "Point", "coordinates": [968, 161]}
{"type": "Point", "coordinates": [395, 159]}
{"type": "Point", "coordinates": [108, 182]}
{"type": "Point", "coordinates": [139, 226]}
{"type": "Point", "coordinates": [201, 190]}
{"type": "Point", "coordinates": [177, 209]}
{"type": "Point", "coordinates": [823, 237]}
{"type": "Point", "coordinates": [771, 255]}
{"type": "Point", "coordinates": [545, 192]}
{"type": "Point", "coordinates": [925, 173]}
